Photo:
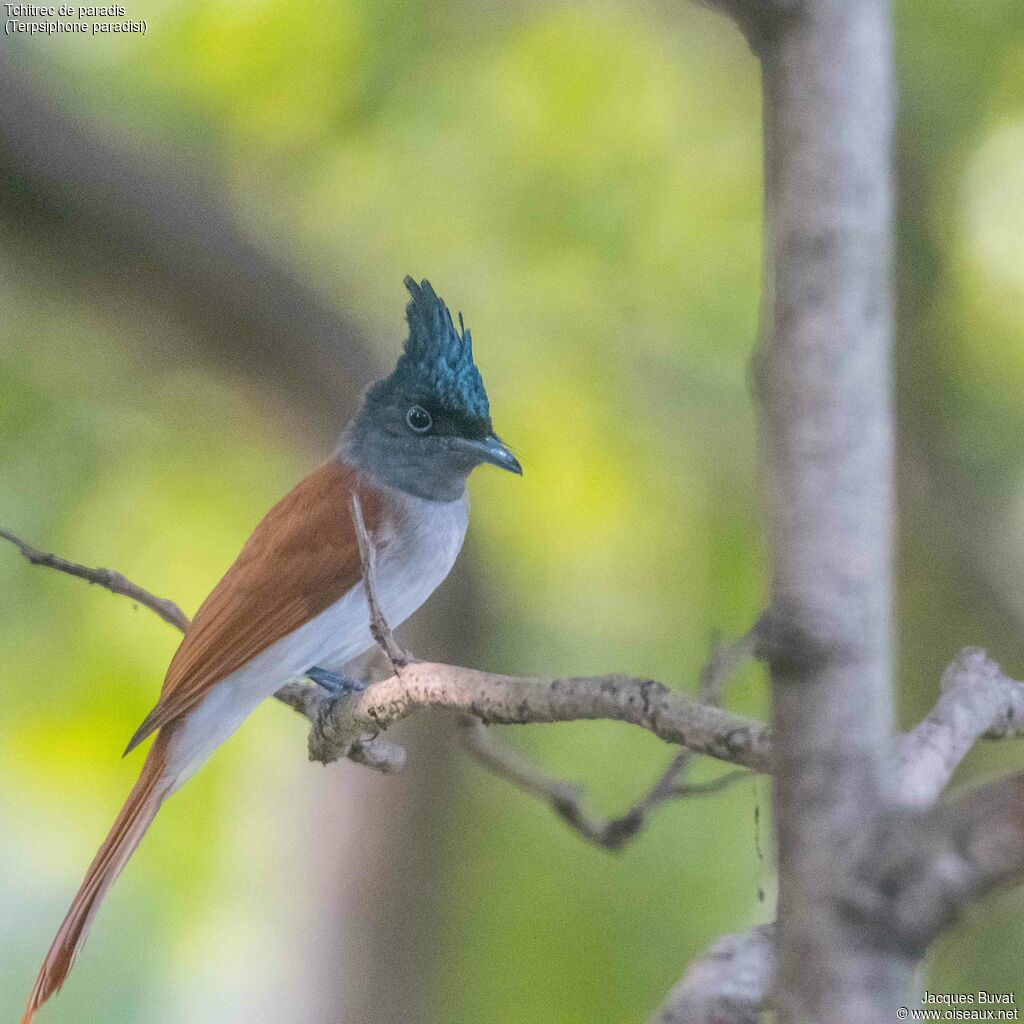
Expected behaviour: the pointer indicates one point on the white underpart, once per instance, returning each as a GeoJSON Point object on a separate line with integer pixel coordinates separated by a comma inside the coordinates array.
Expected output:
{"type": "Point", "coordinates": [417, 544]}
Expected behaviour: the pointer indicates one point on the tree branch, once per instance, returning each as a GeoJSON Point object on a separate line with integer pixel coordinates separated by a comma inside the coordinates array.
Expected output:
{"type": "Point", "coordinates": [304, 698]}
{"type": "Point", "coordinates": [347, 727]}
{"type": "Point", "coordinates": [566, 799]}
{"type": "Point", "coordinates": [729, 984]}
{"type": "Point", "coordinates": [918, 873]}
{"type": "Point", "coordinates": [920, 870]}
{"type": "Point", "coordinates": [106, 578]}
{"type": "Point", "coordinates": [514, 700]}
{"type": "Point", "coordinates": [379, 628]}
{"type": "Point", "coordinates": [977, 700]}
{"type": "Point", "coordinates": [823, 378]}
{"type": "Point", "coordinates": [921, 867]}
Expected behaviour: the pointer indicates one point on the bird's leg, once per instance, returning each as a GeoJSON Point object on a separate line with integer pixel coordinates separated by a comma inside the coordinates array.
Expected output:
{"type": "Point", "coordinates": [336, 684]}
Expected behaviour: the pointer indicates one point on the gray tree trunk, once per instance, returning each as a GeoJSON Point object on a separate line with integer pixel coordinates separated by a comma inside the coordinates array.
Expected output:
{"type": "Point", "coordinates": [824, 381]}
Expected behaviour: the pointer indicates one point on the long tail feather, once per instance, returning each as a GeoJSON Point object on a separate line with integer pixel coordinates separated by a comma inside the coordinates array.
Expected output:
{"type": "Point", "coordinates": [153, 786]}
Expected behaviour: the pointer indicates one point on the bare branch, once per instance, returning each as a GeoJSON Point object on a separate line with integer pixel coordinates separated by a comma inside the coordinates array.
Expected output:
{"type": "Point", "coordinates": [920, 870]}
{"type": "Point", "coordinates": [348, 727]}
{"type": "Point", "coordinates": [930, 866]}
{"type": "Point", "coordinates": [729, 984]}
{"type": "Point", "coordinates": [977, 700]}
{"type": "Point", "coordinates": [724, 661]}
{"type": "Point", "coordinates": [985, 828]}
{"type": "Point", "coordinates": [823, 376]}
{"type": "Point", "coordinates": [379, 628]}
{"type": "Point", "coordinates": [566, 800]}
{"type": "Point", "coordinates": [106, 578]}
{"type": "Point", "coordinates": [514, 700]}
{"type": "Point", "coordinates": [511, 700]}
{"type": "Point", "coordinates": [756, 19]}
{"type": "Point", "coordinates": [378, 754]}
{"type": "Point", "coordinates": [306, 699]}
{"type": "Point", "coordinates": [371, 751]}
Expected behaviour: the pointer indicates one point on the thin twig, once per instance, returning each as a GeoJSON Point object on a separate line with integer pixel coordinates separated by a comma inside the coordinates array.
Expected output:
{"type": "Point", "coordinates": [348, 727]}
{"type": "Point", "coordinates": [106, 578]}
{"type": "Point", "coordinates": [725, 661]}
{"type": "Point", "coordinates": [379, 628]}
{"type": "Point", "coordinates": [302, 697]}
{"type": "Point", "coordinates": [566, 799]}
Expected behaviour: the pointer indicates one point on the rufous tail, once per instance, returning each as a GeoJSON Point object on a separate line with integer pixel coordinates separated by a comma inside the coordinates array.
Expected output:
{"type": "Point", "coordinates": [139, 809]}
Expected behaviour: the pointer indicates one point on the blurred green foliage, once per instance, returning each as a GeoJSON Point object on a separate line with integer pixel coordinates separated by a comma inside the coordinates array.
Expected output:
{"type": "Point", "coordinates": [583, 181]}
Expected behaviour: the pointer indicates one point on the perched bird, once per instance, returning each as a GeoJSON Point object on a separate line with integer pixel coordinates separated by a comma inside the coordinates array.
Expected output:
{"type": "Point", "coordinates": [293, 602]}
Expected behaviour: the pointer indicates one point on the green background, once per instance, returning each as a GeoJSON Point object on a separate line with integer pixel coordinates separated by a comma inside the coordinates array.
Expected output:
{"type": "Point", "coordinates": [583, 181]}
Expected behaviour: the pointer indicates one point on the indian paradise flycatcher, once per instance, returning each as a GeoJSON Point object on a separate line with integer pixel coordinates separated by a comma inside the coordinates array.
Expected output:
{"type": "Point", "coordinates": [293, 603]}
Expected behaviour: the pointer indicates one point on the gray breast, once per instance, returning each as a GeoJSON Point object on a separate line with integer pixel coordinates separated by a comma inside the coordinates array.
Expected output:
{"type": "Point", "coordinates": [418, 542]}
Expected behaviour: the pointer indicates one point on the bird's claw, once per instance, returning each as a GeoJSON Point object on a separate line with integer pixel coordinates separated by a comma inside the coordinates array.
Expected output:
{"type": "Point", "coordinates": [336, 684]}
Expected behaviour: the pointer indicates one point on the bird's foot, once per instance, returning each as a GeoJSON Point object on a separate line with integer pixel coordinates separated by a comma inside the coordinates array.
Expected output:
{"type": "Point", "coordinates": [336, 684]}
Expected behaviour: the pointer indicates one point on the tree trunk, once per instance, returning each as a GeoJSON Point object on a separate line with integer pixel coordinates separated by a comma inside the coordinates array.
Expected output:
{"type": "Point", "coordinates": [824, 380]}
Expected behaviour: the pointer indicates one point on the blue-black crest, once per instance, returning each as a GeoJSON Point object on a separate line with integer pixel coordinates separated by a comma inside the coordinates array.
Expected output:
{"type": "Point", "coordinates": [438, 359]}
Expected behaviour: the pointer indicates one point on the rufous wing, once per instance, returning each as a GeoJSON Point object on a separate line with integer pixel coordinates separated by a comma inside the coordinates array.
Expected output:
{"type": "Point", "coordinates": [300, 559]}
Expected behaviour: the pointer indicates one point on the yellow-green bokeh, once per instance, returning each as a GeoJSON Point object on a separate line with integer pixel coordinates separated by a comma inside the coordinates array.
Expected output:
{"type": "Point", "coordinates": [583, 181]}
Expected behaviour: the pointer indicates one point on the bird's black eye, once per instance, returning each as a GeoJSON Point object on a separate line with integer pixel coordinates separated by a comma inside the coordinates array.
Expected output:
{"type": "Point", "coordinates": [419, 419]}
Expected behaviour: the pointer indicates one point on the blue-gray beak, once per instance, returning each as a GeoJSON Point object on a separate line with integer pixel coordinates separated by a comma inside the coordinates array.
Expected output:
{"type": "Point", "coordinates": [491, 449]}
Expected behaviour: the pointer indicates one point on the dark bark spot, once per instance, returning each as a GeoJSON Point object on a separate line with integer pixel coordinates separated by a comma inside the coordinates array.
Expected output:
{"type": "Point", "coordinates": [795, 648]}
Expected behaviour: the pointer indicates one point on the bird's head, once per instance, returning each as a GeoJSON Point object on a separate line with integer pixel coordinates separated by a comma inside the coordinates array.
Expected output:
{"type": "Point", "coordinates": [424, 428]}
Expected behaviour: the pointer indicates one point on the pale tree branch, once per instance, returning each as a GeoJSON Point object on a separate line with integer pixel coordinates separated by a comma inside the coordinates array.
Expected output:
{"type": "Point", "coordinates": [512, 700]}
{"type": "Point", "coordinates": [824, 383]}
{"type": "Point", "coordinates": [870, 871]}
{"type": "Point", "coordinates": [345, 727]}
{"type": "Point", "coordinates": [921, 867]}
{"type": "Point", "coordinates": [985, 829]}
{"type": "Point", "coordinates": [919, 870]}
{"type": "Point", "coordinates": [724, 661]}
{"type": "Point", "coordinates": [566, 799]}
{"type": "Point", "coordinates": [518, 700]}
{"type": "Point", "coordinates": [727, 985]}
{"type": "Point", "coordinates": [304, 698]}
{"type": "Point", "coordinates": [977, 700]}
